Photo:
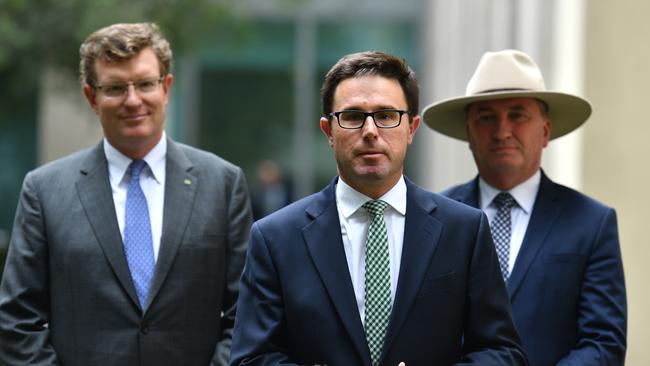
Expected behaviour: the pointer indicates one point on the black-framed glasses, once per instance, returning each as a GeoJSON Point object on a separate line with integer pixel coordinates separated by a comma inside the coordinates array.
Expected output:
{"type": "Point", "coordinates": [383, 118]}
{"type": "Point", "coordinates": [143, 86]}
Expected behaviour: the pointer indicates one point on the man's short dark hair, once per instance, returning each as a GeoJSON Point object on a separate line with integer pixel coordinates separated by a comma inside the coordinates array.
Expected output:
{"type": "Point", "coordinates": [371, 63]}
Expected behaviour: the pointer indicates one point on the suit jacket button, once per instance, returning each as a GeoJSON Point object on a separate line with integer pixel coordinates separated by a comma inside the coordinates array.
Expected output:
{"type": "Point", "coordinates": [144, 329]}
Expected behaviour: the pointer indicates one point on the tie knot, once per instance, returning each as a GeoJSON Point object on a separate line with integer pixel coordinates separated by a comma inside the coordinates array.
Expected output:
{"type": "Point", "coordinates": [376, 207]}
{"type": "Point", "coordinates": [505, 200]}
{"type": "Point", "coordinates": [136, 168]}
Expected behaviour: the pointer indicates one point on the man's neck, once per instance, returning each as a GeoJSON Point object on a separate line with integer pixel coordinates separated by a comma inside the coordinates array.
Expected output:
{"type": "Point", "coordinates": [505, 181]}
{"type": "Point", "coordinates": [372, 188]}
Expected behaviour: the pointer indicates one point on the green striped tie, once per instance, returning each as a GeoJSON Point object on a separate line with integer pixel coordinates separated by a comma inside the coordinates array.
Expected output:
{"type": "Point", "coordinates": [377, 298]}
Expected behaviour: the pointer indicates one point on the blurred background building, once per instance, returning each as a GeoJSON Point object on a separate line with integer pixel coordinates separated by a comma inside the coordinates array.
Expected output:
{"type": "Point", "coordinates": [247, 79]}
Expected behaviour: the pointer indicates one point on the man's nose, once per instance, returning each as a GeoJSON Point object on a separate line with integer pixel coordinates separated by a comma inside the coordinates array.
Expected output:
{"type": "Point", "coordinates": [132, 97]}
{"type": "Point", "coordinates": [503, 127]}
{"type": "Point", "coordinates": [369, 128]}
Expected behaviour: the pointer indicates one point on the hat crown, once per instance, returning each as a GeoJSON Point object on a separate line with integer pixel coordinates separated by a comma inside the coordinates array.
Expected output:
{"type": "Point", "coordinates": [505, 70]}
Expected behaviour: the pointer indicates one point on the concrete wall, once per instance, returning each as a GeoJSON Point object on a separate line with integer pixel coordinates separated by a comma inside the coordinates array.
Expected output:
{"type": "Point", "coordinates": [617, 146]}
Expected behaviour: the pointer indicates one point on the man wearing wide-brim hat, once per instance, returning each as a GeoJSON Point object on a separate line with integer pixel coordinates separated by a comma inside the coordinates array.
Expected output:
{"type": "Point", "coordinates": [558, 249]}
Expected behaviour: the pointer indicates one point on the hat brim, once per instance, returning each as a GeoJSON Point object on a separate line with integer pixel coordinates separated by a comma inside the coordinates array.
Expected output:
{"type": "Point", "coordinates": [566, 111]}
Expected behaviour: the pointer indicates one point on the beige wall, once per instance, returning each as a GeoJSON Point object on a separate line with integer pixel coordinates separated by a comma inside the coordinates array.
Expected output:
{"type": "Point", "coordinates": [66, 122]}
{"type": "Point", "coordinates": [617, 144]}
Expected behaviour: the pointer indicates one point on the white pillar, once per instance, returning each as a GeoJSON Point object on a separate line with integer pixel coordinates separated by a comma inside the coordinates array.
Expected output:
{"type": "Point", "coordinates": [562, 160]}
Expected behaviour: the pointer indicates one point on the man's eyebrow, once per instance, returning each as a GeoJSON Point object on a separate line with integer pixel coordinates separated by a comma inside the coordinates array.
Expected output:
{"type": "Point", "coordinates": [517, 107]}
{"type": "Point", "coordinates": [480, 109]}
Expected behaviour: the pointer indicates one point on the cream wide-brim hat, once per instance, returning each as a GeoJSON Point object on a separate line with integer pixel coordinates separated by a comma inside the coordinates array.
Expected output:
{"type": "Point", "coordinates": [502, 75]}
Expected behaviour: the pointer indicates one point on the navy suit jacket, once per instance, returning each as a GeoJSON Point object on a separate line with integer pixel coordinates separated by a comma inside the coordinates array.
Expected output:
{"type": "Point", "coordinates": [297, 303]}
{"type": "Point", "coordinates": [567, 286]}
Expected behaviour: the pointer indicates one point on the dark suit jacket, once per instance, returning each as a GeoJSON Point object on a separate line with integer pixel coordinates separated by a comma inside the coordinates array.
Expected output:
{"type": "Point", "coordinates": [297, 304]}
{"type": "Point", "coordinates": [67, 296]}
{"type": "Point", "coordinates": [567, 286]}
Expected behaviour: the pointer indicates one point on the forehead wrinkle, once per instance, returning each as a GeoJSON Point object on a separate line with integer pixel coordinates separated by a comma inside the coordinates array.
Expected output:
{"type": "Point", "coordinates": [362, 109]}
{"type": "Point", "coordinates": [368, 93]}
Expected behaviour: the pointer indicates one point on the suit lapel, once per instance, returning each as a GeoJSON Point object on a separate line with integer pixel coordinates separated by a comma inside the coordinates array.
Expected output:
{"type": "Point", "coordinates": [94, 190]}
{"type": "Point", "coordinates": [543, 217]}
{"type": "Point", "coordinates": [421, 235]}
{"type": "Point", "coordinates": [180, 190]}
{"type": "Point", "coordinates": [325, 245]}
{"type": "Point", "coordinates": [468, 193]}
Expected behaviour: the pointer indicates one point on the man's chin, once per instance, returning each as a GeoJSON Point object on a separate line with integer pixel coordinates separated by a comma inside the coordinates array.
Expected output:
{"type": "Point", "coordinates": [371, 172]}
{"type": "Point", "coordinates": [505, 161]}
{"type": "Point", "coordinates": [142, 132]}
{"type": "Point", "coordinates": [504, 168]}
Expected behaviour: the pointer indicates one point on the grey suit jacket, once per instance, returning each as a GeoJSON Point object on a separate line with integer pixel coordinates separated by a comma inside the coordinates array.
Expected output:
{"type": "Point", "coordinates": [67, 297]}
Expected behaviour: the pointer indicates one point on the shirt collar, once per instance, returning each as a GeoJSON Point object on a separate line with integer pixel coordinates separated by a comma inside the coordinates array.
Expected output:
{"type": "Point", "coordinates": [524, 193]}
{"type": "Point", "coordinates": [118, 163]}
{"type": "Point", "coordinates": [350, 200]}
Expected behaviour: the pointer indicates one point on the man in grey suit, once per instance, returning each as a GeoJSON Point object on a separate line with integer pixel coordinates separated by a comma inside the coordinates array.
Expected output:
{"type": "Point", "coordinates": [128, 253]}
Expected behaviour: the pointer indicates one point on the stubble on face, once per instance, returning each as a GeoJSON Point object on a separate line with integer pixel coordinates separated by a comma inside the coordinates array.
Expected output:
{"type": "Point", "coordinates": [507, 137]}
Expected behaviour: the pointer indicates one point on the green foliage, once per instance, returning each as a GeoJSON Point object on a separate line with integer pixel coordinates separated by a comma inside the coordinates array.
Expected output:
{"type": "Point", "coordinates": [35, 33]}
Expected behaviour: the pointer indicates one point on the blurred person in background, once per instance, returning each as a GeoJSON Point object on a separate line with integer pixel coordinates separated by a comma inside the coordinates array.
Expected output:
{"type": "Point", "coordinates": [558, 249]}
{"type": "Point", "coordinates": [130, 252]}
{"type": "Point", "coordinates": [373, 270]}
{"type": "Point", "coordinates": [273, 192]}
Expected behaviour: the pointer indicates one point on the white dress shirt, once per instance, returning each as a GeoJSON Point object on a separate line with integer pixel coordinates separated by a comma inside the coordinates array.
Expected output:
{"type": "Point", "coordinates": [354, 228]}
{"type": "Point", "coordinates": [525, 194]}
{"type": "Point", "coordinates": [152, 181]}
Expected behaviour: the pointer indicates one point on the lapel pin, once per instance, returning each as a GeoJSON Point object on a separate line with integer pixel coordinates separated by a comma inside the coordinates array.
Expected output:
{"type": "Point", "coordinates": [187, 182]}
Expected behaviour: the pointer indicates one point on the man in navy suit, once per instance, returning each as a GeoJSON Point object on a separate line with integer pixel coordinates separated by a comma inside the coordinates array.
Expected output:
{"type": "Point", "coordinates": [559, 249]}
{"type": "Point", "coordinates": [310, 287]}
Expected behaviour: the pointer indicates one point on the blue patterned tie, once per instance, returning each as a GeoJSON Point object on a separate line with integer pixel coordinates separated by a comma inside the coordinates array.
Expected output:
{"type": "Point", "coordinates": [377, 283]}
{"type": "Point", "coordinates": [138, 244]}
{"type": "Point", "coordinates": [501, 229]}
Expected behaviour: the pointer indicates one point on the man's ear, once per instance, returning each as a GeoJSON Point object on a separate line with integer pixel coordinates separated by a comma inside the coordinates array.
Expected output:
{"type": "Point", "coordinates": [548, 127]}
{"type": "Point", "coordinates": [413, 126]}
{"type": "Point", "coordinates": [167, 85]}
{"type": "Point", "coordinates": [327, 130]}
{"type": "Point", "coordinates": [470, 145]}
{"type": "Point", "coordinates": [91, 96]}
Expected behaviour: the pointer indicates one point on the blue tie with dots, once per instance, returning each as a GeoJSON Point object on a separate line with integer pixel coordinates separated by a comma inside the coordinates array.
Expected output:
{"type": "Point", "coordinates": [138, 244]}
{"type": "Point", "coordinates": [501, 229]}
